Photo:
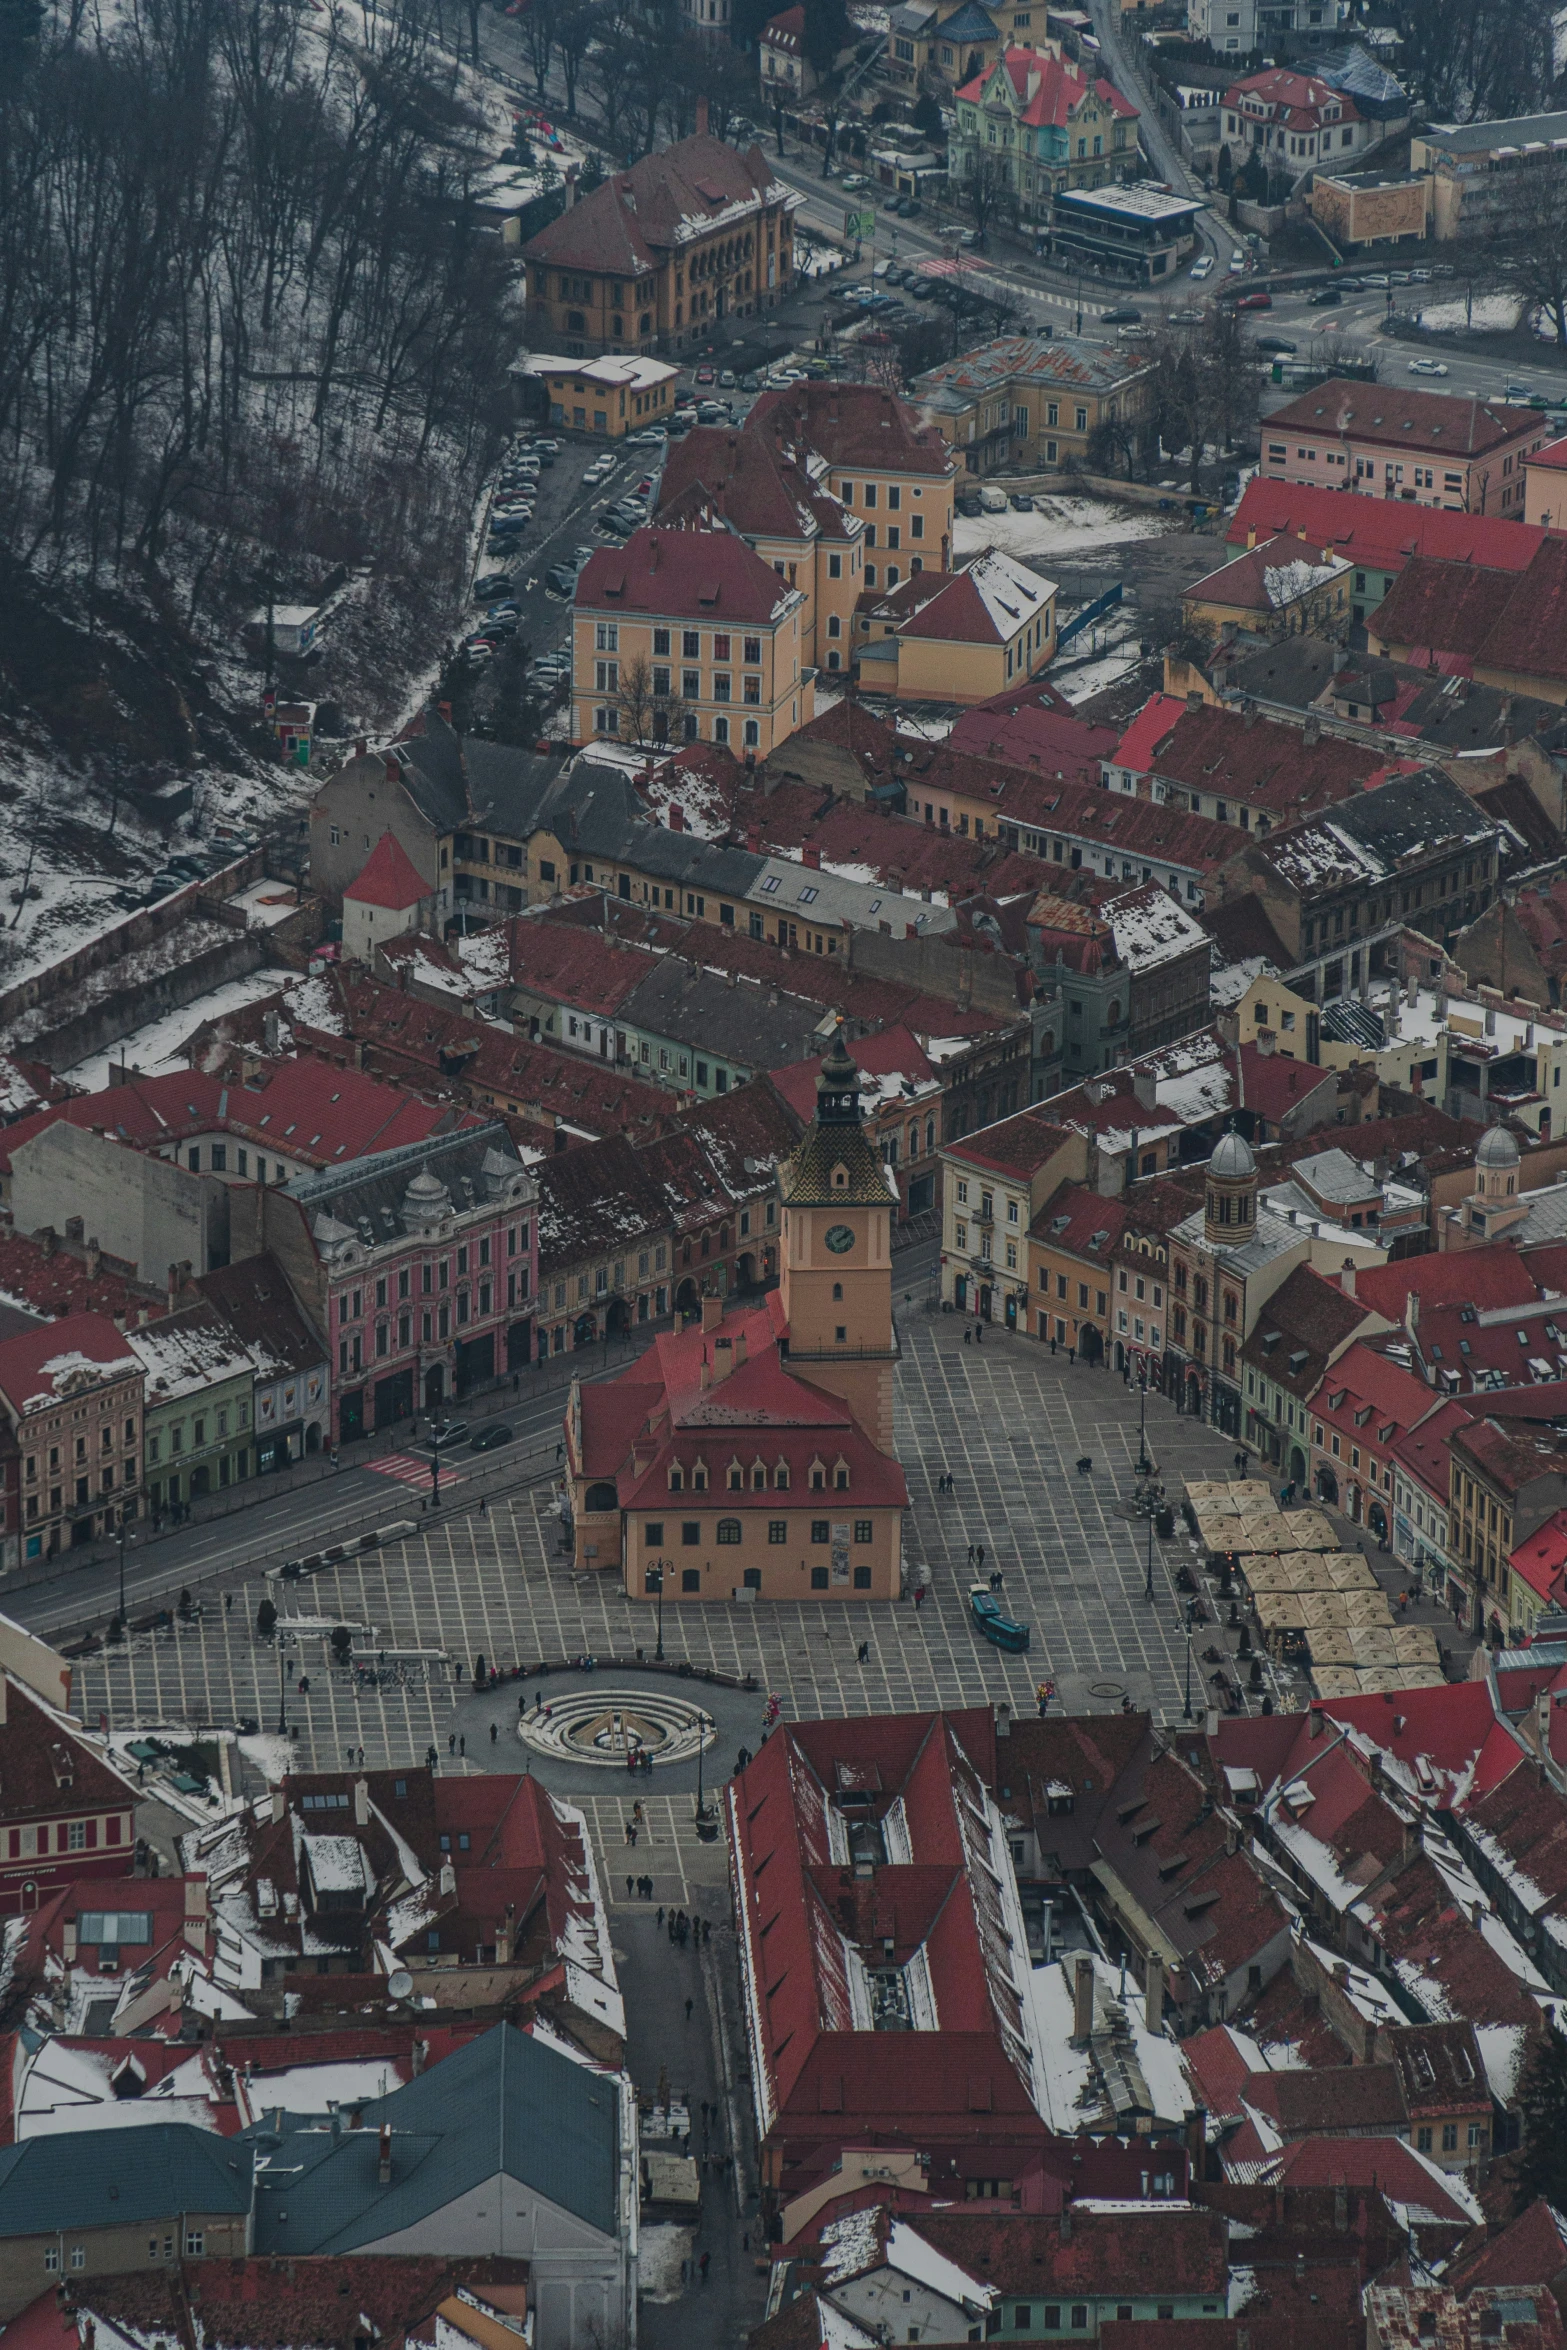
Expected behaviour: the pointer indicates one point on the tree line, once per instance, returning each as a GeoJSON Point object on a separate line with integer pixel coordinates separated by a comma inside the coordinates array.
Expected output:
{"type": "Point", "coordinates": [249, 313]}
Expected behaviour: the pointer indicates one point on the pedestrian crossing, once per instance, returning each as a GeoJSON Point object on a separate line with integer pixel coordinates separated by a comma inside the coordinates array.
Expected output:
{"type": "Point", "coordinates": [410, 1470]}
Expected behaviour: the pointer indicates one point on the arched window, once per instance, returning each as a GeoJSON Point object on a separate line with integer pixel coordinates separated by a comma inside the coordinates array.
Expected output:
{"type": "Point", "coordinates": [601, 1497]}
{"type": "Point", "coordinates": [837, 1293]}
{"type": "Point", "coordinates": [728, 1530]}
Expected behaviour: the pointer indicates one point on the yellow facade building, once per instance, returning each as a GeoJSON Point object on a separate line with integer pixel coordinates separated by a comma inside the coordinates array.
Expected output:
{"type": "Point", "coordinates": [606, 397]}
{"type": "Point", "coordinates": [687, 635]}
{"type": "Point", "coordinates": [957, 636]}
{"type": "Point", "coordinates": [750, 1454]}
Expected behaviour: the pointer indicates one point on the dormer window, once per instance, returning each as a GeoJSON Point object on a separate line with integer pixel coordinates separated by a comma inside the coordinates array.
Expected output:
{"type": "Point", "coordinates": [676, 1479]}
{"type": "Point", "coordinates": [736, 1477]}
{"type": "Point", "coordinates": [840, 1477]}
{"type": "Point", "coordinates": [759, 1476]}
{"type": "Point", "coordinates": [818, 1477]}
{"type": "Point", "coordinates": [699, 1478]}
{"type": "Point", "coordinates": [781, 1477]}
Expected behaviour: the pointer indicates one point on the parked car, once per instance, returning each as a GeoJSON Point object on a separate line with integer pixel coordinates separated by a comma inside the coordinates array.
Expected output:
{"type": "Point", "coordinates": [1377, 277]}
{"type": "Point", "coordinates": [711, 412]}
{"type": "Point", "coordinates": [967, 502]}
{"type": "Point", "coordinates": [992, 500]}
{"type": "Point", "coordinates": [477, 650]}
{"type": "Point", "coordinates": [1276, 346]}
{"type": "Point", "coordinates": [560, 580]}
{"type": "Point", "coordinates": [1515, 392]}
{"type": "Point", "coordinates": [1202, 266]}
{"type": "Point", "coordinates": [750, 383]}
{"type": "Point", "coordinates": [1022, 503]}
{"type": "Point", "coordinates": [1258, 301]}
{"type": "Point", "coordinates": [726, 380]}
{"type": "Point", "coordinates": [1350, 285]}
{"type": "Point", "coordinates": [1126, 317]}
{"type": "Point", "coordinates": [1237, 262]}
{"type": "Point", "coordinates": [1427, 367]}
{"type": "Point", "coordinates": [643, 440]}
{"type": "Point", "coordinates": [705, 375]}
{"type": "Point", "coordinates": [492, 583]}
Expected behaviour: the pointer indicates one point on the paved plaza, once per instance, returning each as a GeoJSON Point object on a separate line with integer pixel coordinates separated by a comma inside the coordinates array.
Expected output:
{"type": "Point", "coordinates": [1008, 1419]}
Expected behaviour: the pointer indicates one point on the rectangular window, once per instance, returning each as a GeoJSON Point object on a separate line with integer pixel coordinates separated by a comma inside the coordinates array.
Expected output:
{"type": "Point", "coordinates": [690, 1532]}
{"type": "Point", "coordinates": [777, 1530]}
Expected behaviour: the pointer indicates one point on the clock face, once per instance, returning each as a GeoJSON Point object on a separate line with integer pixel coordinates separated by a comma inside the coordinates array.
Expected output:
{"type": "Point", "coordinates": [840, 1239]}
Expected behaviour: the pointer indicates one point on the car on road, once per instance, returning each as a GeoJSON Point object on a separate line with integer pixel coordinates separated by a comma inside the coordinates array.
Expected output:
{"type": "Point", "coordinates": [1276, 346]}
{"type": "Point", "coordinates": [1325, 297]}
{"type": "Point", "coordinates": [1022, 503]}
{"type": "Point", "coordinates": [486, 1439]}
{"type": "Point", "coordinates": [705, 375]}
{"type": "Point", "coordinates": [1258, 301]}
{"type": "Point", "coordinates": [1126, 317]}
{"type": "Point", "coordinates": [1427, 367]}
{"type": "Point", "coordinates": [1202, 266]}
{"type": "Point", "coordinates": [971, 241]}
{"type": "Point", "coordinates": [1350, 285]}
{"type": "Point", "coordinates": [1515, 392]}
{"type": "Point", "coordinates": [1237, 261]}
{"type": "Point", "coordinates": [855, 179]}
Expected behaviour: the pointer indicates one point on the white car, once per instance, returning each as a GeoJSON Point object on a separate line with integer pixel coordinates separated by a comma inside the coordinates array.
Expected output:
{"type": "Point", "coordinates": [1237, 262]}
{"type": "Point", "coordinates": [1427, 367]}
{"type": "Point", "coordinates": [1202, 266]}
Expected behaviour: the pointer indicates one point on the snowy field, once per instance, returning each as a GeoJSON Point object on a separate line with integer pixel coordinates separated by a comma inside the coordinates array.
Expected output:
{"type": "Point", "coordinates": [1059, 529]}
{"type": "Point", "coordinates": [1493, 314]}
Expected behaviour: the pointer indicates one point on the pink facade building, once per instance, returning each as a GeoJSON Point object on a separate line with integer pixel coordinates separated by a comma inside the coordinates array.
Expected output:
{"type": "Point", "coordinates": [1422, 448]}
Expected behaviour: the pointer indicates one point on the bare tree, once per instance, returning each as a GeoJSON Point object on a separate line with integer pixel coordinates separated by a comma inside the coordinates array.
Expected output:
{"type": "Point", "coordinates": [636, 700]}
{"type": "Point", "coordinates": [1533, 239]}
{"type": "Point", "coordinates": [538, 41]}
{"type": "Point", "coordinates": [988, 192]}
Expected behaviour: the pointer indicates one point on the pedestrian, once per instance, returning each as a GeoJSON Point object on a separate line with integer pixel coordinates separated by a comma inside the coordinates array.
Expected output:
{"type": "Point", "coordinates": [660, 1918]}
{"type": "Point", "coordinates": [967, 1334]}
{"type": "Point", "coordinates": [451, 1743]}
{"type": "Point", "coordinates": [633, 1835]}
{"type": "Point", "coordinates": [361, 1758]}
{"type": "Point", "coordinates": [628, 1831]}
{"type": "Point", "coordinates": [979, 1556]}
{"type": "Point", "coordinates": [865, 1650]}
{"type": "Point", "coordinates": [494, 1733]}
{"type": "Point", "coordinates": [979, 1334]}
{"type": "Point", "coordinates": [462, 1742]}
{"type": "Point", "coordinates": [690, 2003]}
{"type": "Point", "coordinates": [228, 1603]}
{"type": "Point", "coordinates": [970, 1559]}
{"type": "Point", "coordinates": [349, 1756]}
{"type": "Point", "coordinates": [702, 2264]}
{"type": "Point", "coordinates": [919, 1596]}
{"type": "Point", "coordinates": [628, 1888]}
{"type": "Point", "coordinates": [484, 1507]}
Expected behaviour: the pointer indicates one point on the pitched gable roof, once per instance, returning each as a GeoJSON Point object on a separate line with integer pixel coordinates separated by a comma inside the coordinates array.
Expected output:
{"type": "Point", "coordinates": [388, 878]}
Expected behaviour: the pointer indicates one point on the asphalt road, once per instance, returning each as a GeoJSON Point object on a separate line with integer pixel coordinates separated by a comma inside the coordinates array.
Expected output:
{"type": "Point", "coordinates": [1359, 321]}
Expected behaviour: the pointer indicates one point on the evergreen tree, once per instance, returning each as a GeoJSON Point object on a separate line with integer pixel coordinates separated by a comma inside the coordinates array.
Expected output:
{"type": "Point", "coordinates": [20, 21]}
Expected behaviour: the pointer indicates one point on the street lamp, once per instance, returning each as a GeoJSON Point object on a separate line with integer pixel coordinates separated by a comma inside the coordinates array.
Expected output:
{"type": "Point", "coordinates": [701, 1749]}
{"type": "Point", "coordinates": [1143, 1462]}
{"type": "Point", "coordinates": [119, 1537]}
{"type": "Point", "coordinates": [1186, 1710]}
{"type": "Point", "coordinates": [1148, 1586]}
{"type": "Point", "coordinates": [282, 1692]}
{"type": "Point", "coordinates": [655, 1583]}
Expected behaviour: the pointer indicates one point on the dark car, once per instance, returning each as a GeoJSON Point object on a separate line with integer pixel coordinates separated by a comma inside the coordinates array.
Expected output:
{"type": "Point", "coordinates": [1126, 317]}
{"type": "Point", "coordinates": [968, 502]}
{"type": "Point", "coordinates": [490, 1437]}
{"type": "Point", "coordinates": [561, 580]}
{"type": "Point", "coordinates": [1325, 298]}
{"type": "Point", "coordinates": [492, 583]}
{"type": "Point", "coordinates": [1022, 503]}
{"type": "Point", "coordinates": [1276, 346]}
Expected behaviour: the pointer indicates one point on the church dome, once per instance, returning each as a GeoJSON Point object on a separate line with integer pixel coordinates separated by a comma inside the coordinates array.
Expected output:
{"type": "Point", "coordinates": [1497, 1149]}
{"type": "Point", "coordinates": [1232, 1158]}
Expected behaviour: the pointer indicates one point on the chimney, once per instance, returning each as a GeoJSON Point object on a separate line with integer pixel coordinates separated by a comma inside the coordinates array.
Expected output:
{"type": "Point", "coordinates": [448, 1878]}
{"type": "Point", "coordinates": [1369, 2041]}
{"type": "Point", "coordinates": [677, 817]}
{"type": "Point", "coordinates": [753, 838]}
{"type": "Point", "coordinates": [813, 858]}
{"type": "Point", "coordinates": [503, 1935]}
{"type": "Point", "coordinates": [571, 187]}
{"type": "Point", "coordinates": [1251, 537]}
{"type": "Point", "coordinates": [1083, 2002]}
{"type": "Point", "coordinates": [394, 773]}
{"type": "Point", "coordinates": [1266, 1042]}
{"type": "Point", "coordinates": [383, 2169]}
{"type": "Point", "coordinates": [1193, 699]}
{"type": "Point", "coordinates": [1153, 1997]}
{"type": "Point", "coordinates": [361, 1803]}
{"type": "Point", "coordinates": [701, 118]}
{"type": "Point", "coordinates": [1346, 1279]}
{"type": "Point", "coordinates": [712, 1313]}
{"type": "Point", "coordinates": [94, 1259]}
{"type": "Point", "coordinates": [1341, 2209]}
{"type": "Point", "coordinates": [195, 1897]}
{"type": "Point", "coordinates": [361, 746]}
{"type": "Point", "coordinates": [174, 1283]}
{"type": "Point", "coordinates": [1196, 2138]}
{"type": "Point", "coordinates": [277, 1803]}
{"type": "Point", "coordinates": [740, 1350]}
{"type": "Point", "coordinates": [1311, 732]}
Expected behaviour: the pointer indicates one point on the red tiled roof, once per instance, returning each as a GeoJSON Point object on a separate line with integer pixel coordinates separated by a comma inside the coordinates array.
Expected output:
{"type": "Point", "coordinates": [1073, 1216]}
{"type": "Point", "coordinates": [388, 878]}
{"type": "Point", "coordinates": [1482, 1277]}
{"type": "Point", "coordinates": [1051, 87]}
{"type": "Point", "coordinates": [1013, 1146]}
{"type": "Point", "coordinates": [1542, 1559]}
{"type": "Point", "coordinates": [1273, 1086]}
{"type": "Point", "coordinates": [706, 575]}
{"type": "Point", "coordinates": [786, 31]}
{"type": "Point", "coordinates": [1258, 760]}
{"type": "Point", "coordinates": [896, 1052]}
{"type": "Point", "coordinates": [858, 426]}
{"type": "Point", "coordinates": [1380, 533]}
{"type": "Point", "coordinates": [756, 480]}
{"type": "Point", "coordinates": [45, 1768]}
{"type": "Point", "coordinates": [39, 1367]}
{"type": "Point", "coordinates": [1133, 2247]}
{"type": "Point", "coordinates": [656, 206]}
{"type": "Point", "coordinates": [1362, 1379]}
{"type": "Point", "coordinates": [1032, 734]}
{"type": "Point", "coordinates": [1532, 2250]}
{"type": "Point", "coordinates": [581, 967]}
{"type": "Point", "coordinates": [1299, 98]}
{"type": "Point", "coordinates": [1384, 2163]}
{"type": "Point", "coordinates": [1434, 424]}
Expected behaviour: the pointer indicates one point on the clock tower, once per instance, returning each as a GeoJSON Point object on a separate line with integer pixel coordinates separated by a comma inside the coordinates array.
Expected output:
{"type": "Point", "coordinates": [835, 1282]}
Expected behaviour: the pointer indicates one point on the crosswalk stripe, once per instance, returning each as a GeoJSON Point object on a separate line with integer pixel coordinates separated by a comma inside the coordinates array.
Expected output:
{"type": "Point", "coordinates": [403, 1465]}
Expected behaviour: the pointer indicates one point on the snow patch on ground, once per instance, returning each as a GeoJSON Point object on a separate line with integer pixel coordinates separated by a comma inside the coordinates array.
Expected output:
{"type": "Point", "coordinates": [1058, 529]}
{"type": "Point", "coordinates": [1493, 314]}
{"type": "Point", "coordinates": [662, 2248]}
{"type": "Point", "coordinates": [158, 1047]}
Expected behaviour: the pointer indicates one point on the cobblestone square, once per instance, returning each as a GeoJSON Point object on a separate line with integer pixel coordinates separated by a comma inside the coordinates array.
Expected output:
{"type": "Point", "coordinates": [1008, 1419]}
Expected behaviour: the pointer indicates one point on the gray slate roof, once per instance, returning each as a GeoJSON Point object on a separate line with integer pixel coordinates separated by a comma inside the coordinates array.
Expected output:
{"type": "Point", "coordinates": [744, 1022]}
{"type": "Point", "coordinates": [372, 1189]}
{"type": "Point", "coordinates": [461, 780]}
{"type": "Point", "coordinates": [106, 2178]}
{"type": "Point", "coordinates": [505, 2103]}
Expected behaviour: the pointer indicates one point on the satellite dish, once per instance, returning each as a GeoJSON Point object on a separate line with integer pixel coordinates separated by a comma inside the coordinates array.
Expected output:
{"type": "Point", "coordinates": [399, 1983]}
